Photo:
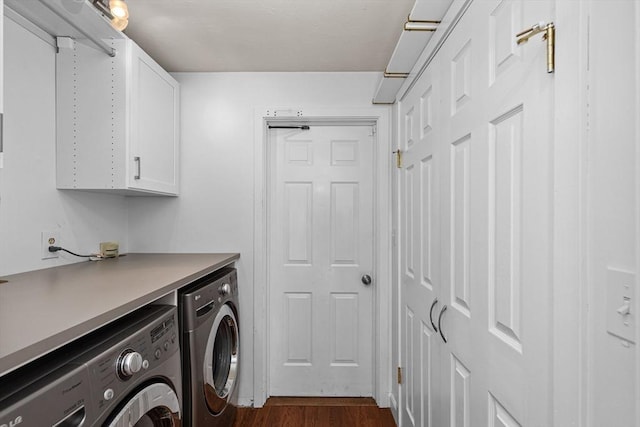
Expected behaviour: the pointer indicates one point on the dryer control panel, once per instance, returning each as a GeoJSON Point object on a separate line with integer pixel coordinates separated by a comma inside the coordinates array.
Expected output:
{"type": "Point", "coordinates": [201, 300]}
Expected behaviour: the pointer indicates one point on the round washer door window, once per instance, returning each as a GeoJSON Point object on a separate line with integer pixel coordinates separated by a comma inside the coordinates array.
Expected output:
{"type": "Point", "coordinates": [155, 405]}
{"type": "Point", "coordinates": [221, 360]}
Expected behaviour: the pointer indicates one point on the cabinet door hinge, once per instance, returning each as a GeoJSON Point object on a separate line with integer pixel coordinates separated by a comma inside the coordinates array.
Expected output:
{"type": "Point", "coordinates": [399, 375]}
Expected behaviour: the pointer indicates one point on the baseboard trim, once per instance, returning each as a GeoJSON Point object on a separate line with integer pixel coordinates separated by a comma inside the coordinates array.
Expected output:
{"type": "Point", "coordinates": [320, 401]}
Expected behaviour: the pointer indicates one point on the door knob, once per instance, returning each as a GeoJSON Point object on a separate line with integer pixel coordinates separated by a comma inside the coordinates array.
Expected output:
{"type": "Point", "coordinates": [366, 279]}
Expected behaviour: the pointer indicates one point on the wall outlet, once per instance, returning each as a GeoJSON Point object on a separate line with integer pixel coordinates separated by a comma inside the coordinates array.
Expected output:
{"type": "Point", "coordinates": [49, 238]}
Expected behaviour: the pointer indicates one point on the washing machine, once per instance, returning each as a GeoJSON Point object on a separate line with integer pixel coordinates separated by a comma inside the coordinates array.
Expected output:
{"type": "Point", "coordinates": [210, 342]}
{"type": "Point", "coordinates": [125, 374]}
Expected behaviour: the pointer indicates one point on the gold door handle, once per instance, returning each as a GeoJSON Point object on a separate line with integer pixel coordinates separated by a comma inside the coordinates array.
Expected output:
{"type": "Point", "coordinates": [549, 36]}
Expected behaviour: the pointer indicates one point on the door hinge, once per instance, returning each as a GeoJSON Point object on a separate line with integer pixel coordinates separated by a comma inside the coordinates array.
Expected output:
{"type": "Point", "coordinates": [398, 154]}
{"type": "Point", "coordinates": [399, 375]}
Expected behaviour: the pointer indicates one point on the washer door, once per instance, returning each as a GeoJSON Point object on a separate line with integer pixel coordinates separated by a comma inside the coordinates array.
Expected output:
{"type": "Point", "coordinates": [155, 405]}
{"type": "Point", "coordinates": [221, 360]}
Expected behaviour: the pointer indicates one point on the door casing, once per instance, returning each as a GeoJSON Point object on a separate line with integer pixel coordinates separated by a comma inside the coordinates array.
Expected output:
{"type": "Point", "coordinates": [380, 117]}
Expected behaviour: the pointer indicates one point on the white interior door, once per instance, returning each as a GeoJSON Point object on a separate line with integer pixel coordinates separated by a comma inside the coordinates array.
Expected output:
{"type": "Point", "coordinates": [320, 247]}
{"type": "Point", "coordinates": [496, 217]}
{"type": "Point", "coordinates": [420, 252]}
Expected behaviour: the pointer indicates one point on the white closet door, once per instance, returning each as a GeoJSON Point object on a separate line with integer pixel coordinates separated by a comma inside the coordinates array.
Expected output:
{"type": "Point", "coordinates": [421, 286]}
{"type": "Point", "coordinates": [496, 218]}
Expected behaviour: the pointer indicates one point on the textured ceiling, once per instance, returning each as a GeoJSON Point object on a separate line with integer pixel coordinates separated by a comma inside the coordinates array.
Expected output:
{"type": "Point", "coordinates": [268, 35]}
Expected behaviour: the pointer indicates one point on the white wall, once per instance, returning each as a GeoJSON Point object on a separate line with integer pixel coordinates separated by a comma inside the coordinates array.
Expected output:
{"type": "Point", "coordinates": [612, 237]}
{"type": "Point", "coordinates": [215, 210]}
{"type": "Point", "coordinates": [29, 201]}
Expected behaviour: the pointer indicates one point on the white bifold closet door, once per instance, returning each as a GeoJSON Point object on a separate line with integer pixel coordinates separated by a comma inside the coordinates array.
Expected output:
{"type": "Point", "coordinates": [476, 196]}
{"type": "Point", "coordinates": [421, 284]}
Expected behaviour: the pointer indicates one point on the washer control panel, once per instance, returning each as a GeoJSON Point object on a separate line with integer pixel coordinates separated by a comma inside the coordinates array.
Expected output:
{"type": "Point", "coordinates": [135, 354]}
{"type": "Point", "coordinates": [164, 338]}
{"type": "Point", "coordinates": [129, 363]}
{"type": "Point", "coordinates": [83, 382]}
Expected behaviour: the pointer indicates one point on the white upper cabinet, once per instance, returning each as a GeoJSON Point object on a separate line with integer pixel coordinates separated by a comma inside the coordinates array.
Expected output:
{"type": "Point", "coordinates": [117, 121]}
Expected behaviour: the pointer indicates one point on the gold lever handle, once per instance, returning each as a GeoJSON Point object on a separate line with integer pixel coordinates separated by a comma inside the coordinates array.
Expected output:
{"type": "Point", "coordinates": [549, 36]}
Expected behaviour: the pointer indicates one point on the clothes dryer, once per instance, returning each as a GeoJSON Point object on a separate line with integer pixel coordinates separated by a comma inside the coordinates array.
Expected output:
{"type": "Point", "coordinates": [210, 343]}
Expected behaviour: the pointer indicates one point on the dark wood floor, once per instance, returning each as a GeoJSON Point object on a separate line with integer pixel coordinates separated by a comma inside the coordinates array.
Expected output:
{"type": "Point", "coordinates": [315, 412]}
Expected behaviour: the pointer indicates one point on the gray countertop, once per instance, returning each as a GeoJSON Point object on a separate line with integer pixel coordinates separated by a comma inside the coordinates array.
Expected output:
{"type": "Point", "coordinates": [45, 309]}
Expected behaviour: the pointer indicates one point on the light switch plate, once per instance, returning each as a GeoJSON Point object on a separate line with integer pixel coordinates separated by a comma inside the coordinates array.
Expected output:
{"type": "Point", "coordinates": [620, 294]}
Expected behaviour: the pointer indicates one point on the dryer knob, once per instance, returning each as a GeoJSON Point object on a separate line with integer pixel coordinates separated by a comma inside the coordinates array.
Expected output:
{"type": "Point", "coordinates": [130, 363]}
{"type": "Point", "coordinates": [225, 289]}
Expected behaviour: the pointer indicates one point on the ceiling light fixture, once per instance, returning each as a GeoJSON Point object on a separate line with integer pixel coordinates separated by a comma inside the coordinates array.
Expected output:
{"type": "Point", "coordinates": [116, 10]}
{"type": "Point", "coordinates": [120, 13]}
{"type": "Point", "coordinates": [119, 9]}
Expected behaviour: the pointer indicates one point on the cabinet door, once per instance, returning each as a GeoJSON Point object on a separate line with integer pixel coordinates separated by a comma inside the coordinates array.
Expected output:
{"type": "Point", "coordinates": [153, 153]}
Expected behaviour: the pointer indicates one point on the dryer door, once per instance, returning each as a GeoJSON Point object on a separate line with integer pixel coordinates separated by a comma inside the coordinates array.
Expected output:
{"type": "Point", "coordinates": [221, 360]}
{"type": "Point", "coordinates": [154, 405]}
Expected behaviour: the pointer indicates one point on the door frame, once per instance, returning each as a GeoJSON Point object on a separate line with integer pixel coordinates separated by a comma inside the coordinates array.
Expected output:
{"type": "Point", "coordinates": [380, 116]}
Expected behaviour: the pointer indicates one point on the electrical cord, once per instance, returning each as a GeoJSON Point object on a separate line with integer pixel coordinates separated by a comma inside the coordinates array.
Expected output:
{"type": "Point", "coordinates": [59, 248]}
